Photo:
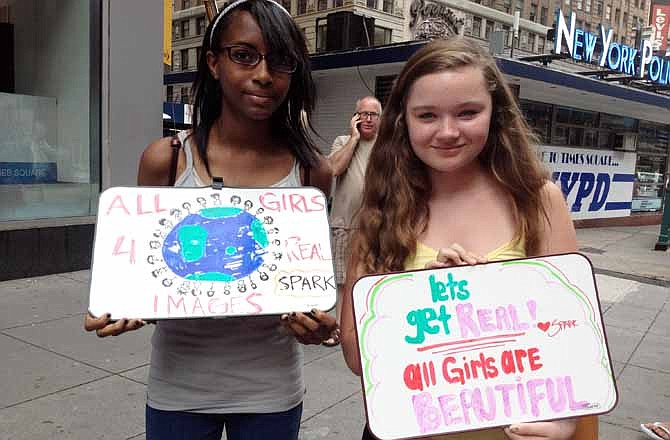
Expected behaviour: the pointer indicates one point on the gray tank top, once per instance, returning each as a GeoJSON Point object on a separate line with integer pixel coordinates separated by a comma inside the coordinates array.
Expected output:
{"type": "Point", "coordinates": [229, 365]}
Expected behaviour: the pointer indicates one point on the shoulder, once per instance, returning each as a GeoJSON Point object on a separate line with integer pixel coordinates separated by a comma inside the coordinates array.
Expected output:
{"type": "Point", "coordinates": [155, 163]}
{"type": "Point", "coordinates": [557, 232]}
{"type": "Point", "coordinates": [340, 142]}
{"type": "Point", "coordinates": [321, 175]}
{"type": "Point", "coordinates": [553, 197]}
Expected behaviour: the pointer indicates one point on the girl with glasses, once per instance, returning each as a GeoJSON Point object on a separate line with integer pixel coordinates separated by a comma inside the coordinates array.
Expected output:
{"type": "Point", "coordinates": [254, 98]}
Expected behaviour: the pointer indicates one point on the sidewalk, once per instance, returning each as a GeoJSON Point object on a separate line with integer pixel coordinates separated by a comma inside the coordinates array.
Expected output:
{"type": "Point", "coordinates": [58, 382]}
{"type": "Point", "coordinates": [626, 251]}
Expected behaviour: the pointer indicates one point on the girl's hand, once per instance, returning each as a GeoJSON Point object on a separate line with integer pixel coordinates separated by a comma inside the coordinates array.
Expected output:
{"type": "Point", "coordinates": [309, 329]}
{"type": "Point", "coordinates": [103, 327]}
{"type": "Point", "coordinates": [454, 255]}
{"type": "Point", "coordinates": [557, 430]}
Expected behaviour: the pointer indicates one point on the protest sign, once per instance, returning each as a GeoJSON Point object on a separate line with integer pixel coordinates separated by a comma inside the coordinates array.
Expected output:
{"type": "Point", "coordinates": [472, 347]}
{"type": "Point", "coordinates": [201, 252]}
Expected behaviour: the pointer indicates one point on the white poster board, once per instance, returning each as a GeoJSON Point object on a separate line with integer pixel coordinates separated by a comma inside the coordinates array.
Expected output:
{"type": "Point", "coordinates": [473, 347]}
{"type": "Point", "coordinates": [164, 253]}
{"type": "Point", "coordinates": [596, 183]}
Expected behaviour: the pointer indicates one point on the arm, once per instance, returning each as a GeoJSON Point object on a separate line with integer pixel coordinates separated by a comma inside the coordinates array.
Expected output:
{"type": "Point", "coordinates": [321, 176]}
{"type": "Point", "coordinates": [557, 233]}
{"type": "Point", "coordinates": [153, 171]}
{"type": "Point", "coordinates": [341, 154]}
{"type": "Point", "coordinates": [347, 329]}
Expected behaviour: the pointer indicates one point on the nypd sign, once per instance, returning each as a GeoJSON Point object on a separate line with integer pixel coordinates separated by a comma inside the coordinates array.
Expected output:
{"type": "Point", "coordinates": [596, 183]}
{"type": "Point", "coordinates": [615, 56]}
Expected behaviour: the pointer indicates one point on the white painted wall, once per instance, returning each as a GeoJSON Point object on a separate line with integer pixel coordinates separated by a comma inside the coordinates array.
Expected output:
{"type": "Point", "coordinates": [132, 85]}
{"type": "Point", "coordinates": [337, 93]}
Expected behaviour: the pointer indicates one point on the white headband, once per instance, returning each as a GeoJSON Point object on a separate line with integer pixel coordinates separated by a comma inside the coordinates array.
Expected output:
{"type": "Point", "coordinates": [233, 6]}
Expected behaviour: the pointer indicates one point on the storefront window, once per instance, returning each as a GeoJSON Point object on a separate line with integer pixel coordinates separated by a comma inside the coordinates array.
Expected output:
{"type": "Point", "coordinates": [651, 171]}
{"type": "Point", "coordinates": [49, 152]}
{"type": "Point", "coordinates": [538, 116]}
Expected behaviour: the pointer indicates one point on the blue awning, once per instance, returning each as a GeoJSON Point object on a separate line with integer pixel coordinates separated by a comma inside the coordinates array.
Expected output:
{"type": "Point", "coordinates": [400, 52]}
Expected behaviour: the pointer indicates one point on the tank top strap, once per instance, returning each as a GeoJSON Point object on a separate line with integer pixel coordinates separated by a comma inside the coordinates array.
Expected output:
{"type": "Point", "coordinates": [186, 144]}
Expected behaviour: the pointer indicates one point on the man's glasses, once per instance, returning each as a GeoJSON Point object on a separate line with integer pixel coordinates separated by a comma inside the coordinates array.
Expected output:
{"type": "Point", "coordinates": [248, 56]}
{"type": "Point", "coordinates": [373, 116]}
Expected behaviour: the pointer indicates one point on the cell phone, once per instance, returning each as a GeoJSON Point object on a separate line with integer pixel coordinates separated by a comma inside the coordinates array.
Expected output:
{"type": "Point", "coordinates": [358, 124]}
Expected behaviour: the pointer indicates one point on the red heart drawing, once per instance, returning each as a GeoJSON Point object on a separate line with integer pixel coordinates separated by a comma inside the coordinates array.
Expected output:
{"type": "Point", "coordinates": [544, 326]}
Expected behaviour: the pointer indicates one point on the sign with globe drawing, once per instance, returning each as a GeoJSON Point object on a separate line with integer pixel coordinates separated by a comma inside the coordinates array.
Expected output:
{"type": "Point", "coordinates": [165, 253]}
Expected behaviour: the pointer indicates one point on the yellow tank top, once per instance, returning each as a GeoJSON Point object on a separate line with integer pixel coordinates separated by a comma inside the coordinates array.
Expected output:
{"type": "Point", "coordinates": [425, 254]}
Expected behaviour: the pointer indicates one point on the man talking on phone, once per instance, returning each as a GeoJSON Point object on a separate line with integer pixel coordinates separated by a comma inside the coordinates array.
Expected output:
{"type": "Point", "coordinates": [348, 160]}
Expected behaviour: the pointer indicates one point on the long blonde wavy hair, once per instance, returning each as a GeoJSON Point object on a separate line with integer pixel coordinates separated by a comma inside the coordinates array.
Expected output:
{"type": "Point", "coordinates": [394, 209]}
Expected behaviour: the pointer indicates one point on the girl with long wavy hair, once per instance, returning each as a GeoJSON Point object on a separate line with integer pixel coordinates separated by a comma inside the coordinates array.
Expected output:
{"type": "Point", "coordinates": [454, 179]}
{"type": "Point", "coordinates": [254, 97]}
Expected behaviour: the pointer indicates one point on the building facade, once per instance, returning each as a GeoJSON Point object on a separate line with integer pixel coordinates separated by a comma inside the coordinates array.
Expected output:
{"type": "Point", "coordinates": [396, 21]}
{"type": "Point", "coordinates": [64, 135]}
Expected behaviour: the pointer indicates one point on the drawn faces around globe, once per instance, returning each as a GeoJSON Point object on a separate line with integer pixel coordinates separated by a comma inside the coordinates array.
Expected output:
{"type": "Point", "coordinates": [448, 115]}
{"type": "Point", "coordinates": [252, 92]}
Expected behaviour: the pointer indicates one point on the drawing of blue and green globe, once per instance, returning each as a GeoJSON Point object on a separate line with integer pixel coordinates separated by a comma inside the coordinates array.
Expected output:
{"type": "Point", "coordinates": [216, 244]}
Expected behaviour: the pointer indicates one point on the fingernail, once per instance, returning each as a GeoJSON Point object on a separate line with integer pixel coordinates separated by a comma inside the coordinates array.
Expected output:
{"type": "Point", "coordinates": [514, 428]}
{"type": "Point", "coordinates": [108, 316]}
{"type": "Point", "coordinates": [293, 315]}
{"type": "Point", "coordinates": [284, 317]}
{"type": "Point", "coordinates": [314, 311]}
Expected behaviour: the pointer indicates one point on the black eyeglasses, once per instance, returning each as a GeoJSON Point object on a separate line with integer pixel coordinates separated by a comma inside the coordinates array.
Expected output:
{"type": "Point", "coordinates": [248, 56]}
{"type": "Point", "coordinates": [372, 115]}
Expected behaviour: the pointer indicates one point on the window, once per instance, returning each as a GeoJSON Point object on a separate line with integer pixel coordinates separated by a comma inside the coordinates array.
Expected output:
{"type": "Point", "coordinates": [176, 33]}
{"type": "Point", "coordinates": [579, 24]}
{"type": "Point", "coordinates": [488, 29]}
{"type": "Point", "coordinates": [321, 37]}
{"type": "Point", "coordinates": [587, 6]}
{"type": "Point", "coordinates": [168, 93]}
{"type": "Point", "coordinates": [383, 86]}
{"type": "Point", "coordinates": [507, 6]}
{"type": "Point", "coordinates": [617, 16]}
{"type": "Point", "coordinates": [636, 3]}
{"type": "Point", "coordinates": [49, 149]}
{"type": "Point", "coordinates": [184, 28]}
{"type": "Point", "coordinates": [184, 59]}
{"type": "Point", "coordinates": [387, 6]}
{"type": "Point", "coordinates": [200, 25]}
{"type": "Point", "coordinates": [540, 44]}
{"type": "Point", "coordinates": [538, 116]}
{"type": "Point", "coordinates": [286, 4]}
{"type": "Point", "coordinates": [580, 4]}
{"type": "Point", "coordinates": [574, 127]}
{"type": "Point", "coordinates": [543, 15]}
{"type": "Point", "coordinates": [642, 3]}
{"type": "Point", "coordinates": [608, 13]}
{"type": "Point", "coordinates": [508, 35]}
{"type": "Point", "coordinates": [321, 5]}
{"type": "Point", "coordinates": [302, 7]}
{"type": "Point", "coordinates": [599, 8]}
{"type": "Point", "coordinates": [519, 6]}
{"type": "Point", "coordinates": [185, 97]}
{"type": "Point", "coordinates": [651, 170]}
{"type": "Point", "coordinates": [625, 19]}
{"type": "Point", "coordinates": [198, 52]}
{"type": "Point", "coordinates": [382, 36]}
{"type": "Point", "coordinates": [338, 3]}
{"type": "Point", "coordinates": [533, 12]}
{"type": "Point", "coordinates": [476, 26]}
{"type": "Point", "coordinates": [372, 4]}
{"type": "Point", "coordinates": [185, 4]}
